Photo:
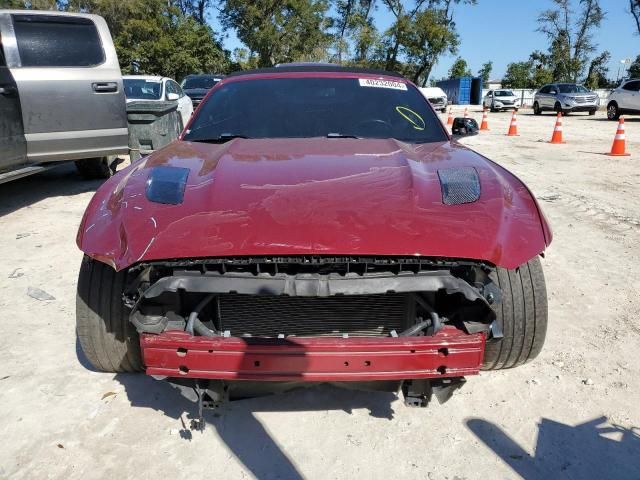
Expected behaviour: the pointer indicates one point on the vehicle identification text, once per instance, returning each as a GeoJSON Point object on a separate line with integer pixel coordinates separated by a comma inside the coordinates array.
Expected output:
{"type": "Point", "coordinates": [372, 82]}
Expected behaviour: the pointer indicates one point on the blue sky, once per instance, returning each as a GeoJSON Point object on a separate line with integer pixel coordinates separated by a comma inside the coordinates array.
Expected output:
{"type": "Point", "coordinates": [513, 37]}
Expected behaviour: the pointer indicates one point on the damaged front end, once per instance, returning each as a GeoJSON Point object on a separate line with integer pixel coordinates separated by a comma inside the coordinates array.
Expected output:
{"type": "Point", "coordinates": [414, 323]}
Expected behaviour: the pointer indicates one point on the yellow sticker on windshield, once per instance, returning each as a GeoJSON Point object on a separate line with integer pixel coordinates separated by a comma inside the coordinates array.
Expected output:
{"type": "Point", "coordinates": [412, 117]}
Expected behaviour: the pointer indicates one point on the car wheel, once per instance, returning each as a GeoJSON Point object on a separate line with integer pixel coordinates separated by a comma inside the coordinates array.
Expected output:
{"type": "Point", "coordinates": [536, 109]}
{"type": "Point", "coordinates": [107, 337]}
{"type": "Point", "coordinates": [96, 168]}
{"type": "Point", "coordinates": [522, 315]}
{"type": "Point", "coordinates": [613, 112]}
{"type": "Point", "coordinates": [592, 112]}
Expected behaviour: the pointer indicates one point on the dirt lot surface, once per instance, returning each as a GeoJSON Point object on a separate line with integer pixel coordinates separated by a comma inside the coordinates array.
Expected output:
{"type": "Point", "coordinates": [572, 413]}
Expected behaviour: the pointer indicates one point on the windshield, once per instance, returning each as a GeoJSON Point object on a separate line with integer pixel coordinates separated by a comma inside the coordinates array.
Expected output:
{"type": "Point", "coordinates": [571, 88]}
{"type": "Point", "coordinates": [141, 89]}
{"type": "Point", "coordinates": [504, 93]}
{"type": "Point", "coordinates": [316, 107]}
{"type": "Point", "coordinates": [199, 82]}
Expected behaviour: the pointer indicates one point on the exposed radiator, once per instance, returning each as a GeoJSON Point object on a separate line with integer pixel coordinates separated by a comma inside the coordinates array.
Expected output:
{"type": "Point", "coordinates": [356, 315]}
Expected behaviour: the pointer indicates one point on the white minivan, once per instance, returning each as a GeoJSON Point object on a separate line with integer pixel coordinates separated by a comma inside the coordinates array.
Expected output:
{"type": "Point", "coordinates": [61, 94]}
{"type": "Point", "coordinates": [436, 96]}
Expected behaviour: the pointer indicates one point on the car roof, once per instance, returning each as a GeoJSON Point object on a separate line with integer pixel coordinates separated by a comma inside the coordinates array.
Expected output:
{"type": "Point", "coordinates": [151, 78]}
{"type": "Point", "coordinates": [314, 67]}
{"type": "Point", "coordinates": [204, 75]}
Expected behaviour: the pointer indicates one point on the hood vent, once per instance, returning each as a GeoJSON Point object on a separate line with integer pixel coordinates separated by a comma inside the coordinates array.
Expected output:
{"type": "Point", "coordinates": [167, 184]}
{"type": "Point", "coordinates": [459, 185]}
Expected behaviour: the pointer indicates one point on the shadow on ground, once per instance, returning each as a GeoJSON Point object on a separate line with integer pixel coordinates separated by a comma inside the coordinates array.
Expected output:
{"type": "Point", "coordinates": [236, 424]}
{"type": "Point", "coordinates": [595, 449]}
{"type": "Point", "coordinates": [60, 181]}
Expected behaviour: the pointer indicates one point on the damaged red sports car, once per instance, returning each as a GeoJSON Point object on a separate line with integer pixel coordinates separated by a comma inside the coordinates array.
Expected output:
{"type": "Point", "coordinates": [313, 224]}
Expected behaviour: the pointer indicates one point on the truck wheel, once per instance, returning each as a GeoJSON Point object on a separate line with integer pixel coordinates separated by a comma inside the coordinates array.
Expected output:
{"type": "Point", "coordinates": [522, 315]}
{"type": "Point", "coordinates": [95, 168]}
{"type": "Point", "coordinates": [109, 341]}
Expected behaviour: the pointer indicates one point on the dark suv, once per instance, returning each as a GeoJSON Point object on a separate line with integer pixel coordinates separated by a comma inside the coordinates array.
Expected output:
{"type": "Point", "coordinates": [196, 87]}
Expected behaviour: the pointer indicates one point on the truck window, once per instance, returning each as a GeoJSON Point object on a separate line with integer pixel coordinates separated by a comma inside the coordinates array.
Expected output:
{"type": "Point", "coordinates": [57, 41]}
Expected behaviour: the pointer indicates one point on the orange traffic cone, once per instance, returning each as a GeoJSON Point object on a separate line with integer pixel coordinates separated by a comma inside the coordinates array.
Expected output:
{"type": "Point", "coordinates": [557, 131]}
{"type": "Point", "coordinates": [485, 122]}
{"type": "Point", "coordinates": [450, 119]}
{"type": "Point", "coordinates": [513, 127]}
{"type": "Point", "coordinates": [466, 115]}
{"type": "Point", "coordinates": [618, 149]}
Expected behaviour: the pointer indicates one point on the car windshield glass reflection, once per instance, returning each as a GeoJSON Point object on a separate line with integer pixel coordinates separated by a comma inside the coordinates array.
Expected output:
{"type": "Point", "coordinates": [568, 88]}
{"type": "Point", "coordinates": [316, 107]}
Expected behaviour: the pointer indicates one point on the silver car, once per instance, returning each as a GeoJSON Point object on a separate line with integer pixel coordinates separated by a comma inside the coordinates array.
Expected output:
{"type": "Point", "coordinates": [565, 98]}
{"type": "Point", "coordinates": [61, 94]}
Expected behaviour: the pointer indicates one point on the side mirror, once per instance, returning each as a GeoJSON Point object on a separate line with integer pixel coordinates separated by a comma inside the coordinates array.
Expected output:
{"type": "Point", "coordinates": [464, 127]}
{"type": "Point", "coordinates": [172, 96]}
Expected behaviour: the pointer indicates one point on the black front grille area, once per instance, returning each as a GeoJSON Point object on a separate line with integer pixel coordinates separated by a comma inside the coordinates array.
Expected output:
{"type": "Point", "coordinates": [355, 315]}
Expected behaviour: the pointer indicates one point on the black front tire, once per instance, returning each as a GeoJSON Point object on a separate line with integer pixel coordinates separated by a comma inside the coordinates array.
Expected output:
{"type": "Point", "coordinates": [613, 112]}
{"type": "Point", "coordinates": [108, 339]}
{"type": "Point", "coordinates": [522, 315]}
{"type": "Point", "coordinates": [96, 168]}
{"type": "Point", "coordinates": [536, 109]}
{"type": "Point", "coordinates": [592, 112]}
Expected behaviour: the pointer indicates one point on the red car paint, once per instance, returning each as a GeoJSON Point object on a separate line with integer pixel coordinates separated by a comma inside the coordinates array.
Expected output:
{"type": "Point", "coordinates": [312, 196]}
{"type": "Point", "coordinates": [449, 353]}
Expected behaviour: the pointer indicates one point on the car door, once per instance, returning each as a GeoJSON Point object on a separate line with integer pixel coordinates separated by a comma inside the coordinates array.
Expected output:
{"type": "Point", "coordinates": [543, 96]}
{"type": "Point", "coordinates": [67, 72]}
{"type": "Point", "coordinates": [488, 98]}
{"type": "Point", "coordinates": [631, 96]}
{"type": "Point", "coordinates": [185, 107]}
{"type": "Point", "coordinates": [13, 150]}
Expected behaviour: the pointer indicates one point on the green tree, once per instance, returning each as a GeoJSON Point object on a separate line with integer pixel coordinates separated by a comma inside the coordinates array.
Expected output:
{"type": "Point", "coordinates": [518, 75]}
{"type": "Point", "coordinates": [634, 68]}
{"type": "Point", "coordinates": [422, 31]}
{"type": "Point", "coordinates": [279, 31]}
{"type": "Point", "coordinates": [485, 72]}
{"type": "Point", "coordinates": [429, 37]}
{"type": "Point", "coordinates": [597, 73]}
{"type": "Point", "coordinates": [634, 8]}
{"type": "Point", "coordinates": [459, 69]}
{"type": "Point", "coordinates": [571, 36]}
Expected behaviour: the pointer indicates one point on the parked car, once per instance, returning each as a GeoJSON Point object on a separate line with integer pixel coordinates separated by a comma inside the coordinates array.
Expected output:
{"type": "Point", "coordinates": [436, 97]}
{"type": "Point", "coordinates": [624, 100]}
{"type": "Point", "coordinates": [61, 94]}
{"type": "Point", "coordinates": [565, 98]}
{"type": "Point", "coordinates": [313, 224]}
{"type": "Point", "coordinates": [501, 99]}
{"type": "Point", "coordinates": [197, 86]}
{"type": "Point", "coordinates": [146, 87]}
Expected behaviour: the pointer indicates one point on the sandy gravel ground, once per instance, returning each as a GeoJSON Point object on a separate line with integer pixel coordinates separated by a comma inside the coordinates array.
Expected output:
{"type": "Point", "coordinates": [573, 413]}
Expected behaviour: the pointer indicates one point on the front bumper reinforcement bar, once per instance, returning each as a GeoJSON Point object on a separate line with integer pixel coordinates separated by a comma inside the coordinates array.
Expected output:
{"type": "Point", "coordinates": [448, 353]}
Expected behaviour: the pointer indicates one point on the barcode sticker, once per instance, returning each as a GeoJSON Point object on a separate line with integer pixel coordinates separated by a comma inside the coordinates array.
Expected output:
{"type": "Point", "coordinates": [372, 82]}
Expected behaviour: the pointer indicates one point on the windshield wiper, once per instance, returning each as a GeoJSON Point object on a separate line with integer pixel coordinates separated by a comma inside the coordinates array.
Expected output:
{"type": "Point", "coordinates": [340, 135]}
{"type": "Point", "coordinates": [222, 138]}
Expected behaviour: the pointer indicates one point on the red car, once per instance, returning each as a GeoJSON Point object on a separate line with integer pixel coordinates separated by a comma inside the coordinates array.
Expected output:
{"type": "Point", "coordinates": [313, 224]}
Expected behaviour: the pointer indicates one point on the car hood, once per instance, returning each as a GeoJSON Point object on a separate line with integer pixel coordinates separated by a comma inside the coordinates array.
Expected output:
{"type": "Point", "coordinates": [313, 196]}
